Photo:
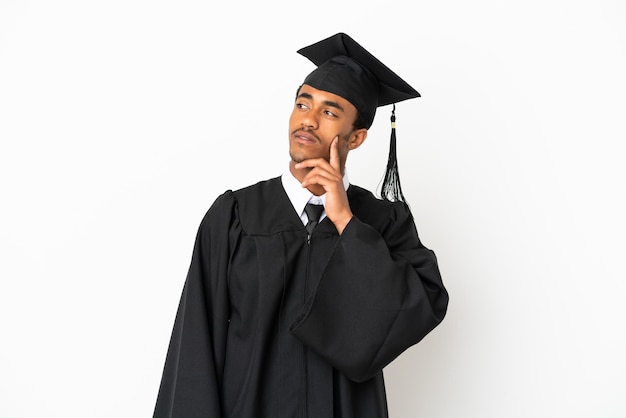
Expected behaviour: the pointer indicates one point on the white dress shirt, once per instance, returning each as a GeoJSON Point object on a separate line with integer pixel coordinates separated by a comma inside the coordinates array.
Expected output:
{"type": "Point", "coordinates": [300, 196]}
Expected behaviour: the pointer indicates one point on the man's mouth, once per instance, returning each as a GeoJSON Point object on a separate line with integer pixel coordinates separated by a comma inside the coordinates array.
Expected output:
{"type": "Point", "coordinates": [305, 137]}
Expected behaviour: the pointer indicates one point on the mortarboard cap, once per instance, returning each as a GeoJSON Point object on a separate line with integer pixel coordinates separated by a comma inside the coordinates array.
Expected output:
{"type": "Point", "coordinates": [348, 70]}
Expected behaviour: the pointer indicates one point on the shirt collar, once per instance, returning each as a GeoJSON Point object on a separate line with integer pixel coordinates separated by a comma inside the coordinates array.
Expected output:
{"type": "Point", "coordinates": [299, 196]}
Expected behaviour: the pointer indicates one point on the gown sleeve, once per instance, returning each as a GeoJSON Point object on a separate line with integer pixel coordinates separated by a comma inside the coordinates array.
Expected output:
{"type": "Point", "coordinates": [194, 363]}
{"type": "Point", "coordinates": [380, 293]}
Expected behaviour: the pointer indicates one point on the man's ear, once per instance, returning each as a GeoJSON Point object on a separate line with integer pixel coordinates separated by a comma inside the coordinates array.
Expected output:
{"type": "Point", "coordinates": [357, 139]}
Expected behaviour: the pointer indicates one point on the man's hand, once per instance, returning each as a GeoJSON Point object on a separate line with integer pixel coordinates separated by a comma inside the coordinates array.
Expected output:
{"type": "Point", "coordinates": [328, 175]}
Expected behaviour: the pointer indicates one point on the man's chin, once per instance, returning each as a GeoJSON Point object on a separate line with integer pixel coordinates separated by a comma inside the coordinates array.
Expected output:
{"type": "Point", "coordinates": [298, 157]}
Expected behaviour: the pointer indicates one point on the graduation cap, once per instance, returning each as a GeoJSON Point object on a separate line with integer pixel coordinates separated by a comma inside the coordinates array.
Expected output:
{"type": "Point", "coordinates": [348, 70]}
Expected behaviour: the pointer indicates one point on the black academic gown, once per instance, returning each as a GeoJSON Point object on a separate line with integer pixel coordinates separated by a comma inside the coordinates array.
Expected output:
{"type": "Point", "coordinates": [272, 325]}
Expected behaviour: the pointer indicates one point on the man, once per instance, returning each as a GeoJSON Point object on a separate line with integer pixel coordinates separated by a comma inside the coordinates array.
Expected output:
{"type": "Point", "coordinates": [286, 313]}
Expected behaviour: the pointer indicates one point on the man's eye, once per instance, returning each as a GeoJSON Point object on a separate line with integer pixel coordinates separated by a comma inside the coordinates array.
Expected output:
{"type": "Point", "coordinates": [329, 113]}
{"type": "Point", "coordinates": [301, 106]}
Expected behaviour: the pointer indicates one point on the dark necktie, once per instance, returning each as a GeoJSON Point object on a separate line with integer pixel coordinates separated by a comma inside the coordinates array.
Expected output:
{"type": "Point", "coordinates": [313, 212]}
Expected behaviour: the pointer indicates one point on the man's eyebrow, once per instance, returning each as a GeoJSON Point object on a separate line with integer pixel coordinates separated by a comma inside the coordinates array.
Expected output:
{"type": "Point", "coordinates": [328, 103]}
{"type": "Point", "coordinates": [333, 104]}
{"type": "Point", "coordinates": [305, 96]}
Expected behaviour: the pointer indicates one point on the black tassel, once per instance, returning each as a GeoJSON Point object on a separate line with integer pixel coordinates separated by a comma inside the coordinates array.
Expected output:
{"type": "Point", "coordinates": [391, 189]}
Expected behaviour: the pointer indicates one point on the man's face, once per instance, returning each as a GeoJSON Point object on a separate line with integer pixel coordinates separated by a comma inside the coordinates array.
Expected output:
{"type": "Point", "coordinates": [317, 118]}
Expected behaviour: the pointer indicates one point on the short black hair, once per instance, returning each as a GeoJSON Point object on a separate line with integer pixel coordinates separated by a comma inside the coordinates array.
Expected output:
{"type": "Point", "coordinates": [360, 121]}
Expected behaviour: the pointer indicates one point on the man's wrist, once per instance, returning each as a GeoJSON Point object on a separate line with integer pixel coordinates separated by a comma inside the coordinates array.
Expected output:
{"type": "Point", "coordinates": [342, 222]}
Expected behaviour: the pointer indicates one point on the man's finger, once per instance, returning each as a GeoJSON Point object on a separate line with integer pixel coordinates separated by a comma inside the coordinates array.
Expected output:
{"type": "Point", "coordinates": [334, 154]}
{"type": "Point", "coordinates": [321, 177]}
{"type": "Point", "coordinates": [311, 163]}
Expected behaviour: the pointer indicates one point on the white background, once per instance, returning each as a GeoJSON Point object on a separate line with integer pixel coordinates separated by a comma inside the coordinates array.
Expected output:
{"type": "Point", "coordinates": [121, 122]}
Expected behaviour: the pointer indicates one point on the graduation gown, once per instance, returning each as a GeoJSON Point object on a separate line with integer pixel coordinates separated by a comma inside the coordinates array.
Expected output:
{"type": "Point", "coordinates": [272, 324]}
